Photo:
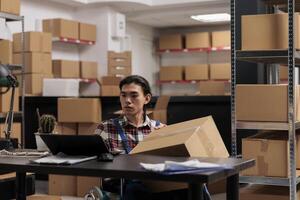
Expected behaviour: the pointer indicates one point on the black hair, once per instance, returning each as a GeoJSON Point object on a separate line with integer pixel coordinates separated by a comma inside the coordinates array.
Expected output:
{"type": "Point", "coordinates": [138, 80]}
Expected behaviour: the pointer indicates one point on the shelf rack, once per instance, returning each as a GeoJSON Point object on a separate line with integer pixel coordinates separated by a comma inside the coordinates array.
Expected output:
{"type": "Point", "coordinates": [18, 116]}
{"type": "Point", "coordinates": [194, 50]}
{"type": "Point", "coordinates": [288, 56]}
{"type": "Point", "coordinates": [72, 41]}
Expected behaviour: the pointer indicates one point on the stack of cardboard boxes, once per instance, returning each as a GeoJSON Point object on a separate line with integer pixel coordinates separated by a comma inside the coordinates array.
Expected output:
{"type": "Point", "coordinates": [110, 86]}
{"type": "Point", "coordinates": [76, 116]}
{"type": "Point", "coordinates": [10, 6]}
{"type": "Point", "coordinates": [37, 52]}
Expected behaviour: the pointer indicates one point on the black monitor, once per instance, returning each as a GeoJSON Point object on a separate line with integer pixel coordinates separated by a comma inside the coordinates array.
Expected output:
{"type": "Point", "coordinates": [85, 145]}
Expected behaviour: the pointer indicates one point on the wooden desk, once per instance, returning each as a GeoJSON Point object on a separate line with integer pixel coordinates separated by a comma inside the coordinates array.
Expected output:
{"type": "Point", "coordinates": [128, 167]}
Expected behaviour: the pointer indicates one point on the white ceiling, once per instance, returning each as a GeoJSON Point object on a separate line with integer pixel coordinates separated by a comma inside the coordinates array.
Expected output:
{"type": "Point", "coordinates": [158, 13]}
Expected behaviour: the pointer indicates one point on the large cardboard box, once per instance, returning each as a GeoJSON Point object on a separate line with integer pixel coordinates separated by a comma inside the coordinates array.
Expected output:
{"type": "Point", "coordinates": [46, 63]}
{"type": "Point", "coordinates": [265, 192]}
{"type": "Point", "coordinates": [88, 69]}
{"type": "Point", "coordinates": [46, 42]}
{"type": "Point", "coordinates": [110, 90]}
{"type": "Point", "coordinates": [85, 184]}
{"type": "Point", "coordinates": [170, 73]}
{"type": "Point", "coordinates": [33, 61]}
{"type": "Point", "coordinates": [62, 28]}
{"type": "Point", "coordinates": [283, 73]}
{"type": "Point", "coordinates": [10, 6]}
{"type": "Point", "coordinates": [212, 88]}
{"type": "Point", "coordinates": [160, 110]}
{"type": "Point", "coordinates": [5, 100]}
{"type": "Point", "coordinates": [221, 39]}
{"type": "Point", "coordinates": [6, 52]}
{"type": "Point", "coordinates": [67, 87]}
{"type": "Point", "coordinates": [87, 32]}
{"type": "Point", "coordinates": [220, 71]}
{"type": "Point", "coordinates": [86, 110]}
{"type": "Point", "coordinates": [258, 102]}
{"type": "Point", "coordinates": [262, 147]}
{"type": "Point", "coordinates": [87, 128]}
{"type": "Point", "coordinates": [197, 40]}
{"type": "Point", "coordinates": [32, 42]}
{"type": "Point", "coordinates": [272, 32]}
{"type": "Point", "coordinates": [174, 41]}
{"type": "Point", "coordinates": [62, 185]}
{"type": "Point", "coordinates": [34, 83]}
{"type": "Point", "coordinates": [66, 69]}
{"type": "Point", "coordinates": [66, 128]}
{"type": "Point", "coordinates": [196, 72]}
{"type": "Point", "coordinates": [119, 71]}
{"type": "Point", "coordinates": [110, 80]}
{"type": "Point", "coordinates": [119, 63]}
{"type": "Point", "coordinates": [16, 131]}
{"type": "Point", "coordinates": [119, 55]}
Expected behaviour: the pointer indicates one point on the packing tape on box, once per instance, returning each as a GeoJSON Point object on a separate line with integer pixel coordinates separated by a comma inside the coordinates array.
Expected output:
{"type": "Point", "coordinates": [264, 145]}
{"type": "Point", "coordinates": [262, 166]}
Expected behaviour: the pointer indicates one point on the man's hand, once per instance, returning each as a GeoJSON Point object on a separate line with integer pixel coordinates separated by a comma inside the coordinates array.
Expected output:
{"type": "Point", "coordinates": [160, 126]}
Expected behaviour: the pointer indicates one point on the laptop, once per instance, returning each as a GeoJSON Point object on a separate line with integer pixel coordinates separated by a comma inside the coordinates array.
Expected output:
{"type": "Point", "coordinates": [84, 145]}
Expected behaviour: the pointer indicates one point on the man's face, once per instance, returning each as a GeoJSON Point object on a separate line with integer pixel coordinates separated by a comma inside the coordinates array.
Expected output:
{"type": "Point", "coordinates": [132, 99]}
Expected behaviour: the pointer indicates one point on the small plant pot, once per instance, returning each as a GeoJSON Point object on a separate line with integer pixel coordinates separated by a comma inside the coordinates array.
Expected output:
{"type": "Point", "coordinates": [40, 144]}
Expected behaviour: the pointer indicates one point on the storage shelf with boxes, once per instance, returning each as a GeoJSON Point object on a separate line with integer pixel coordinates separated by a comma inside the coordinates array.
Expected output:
{"type": "Point", "coordinates": [72, 41]}
{"type": "Point", "coordinates": [194, 50]}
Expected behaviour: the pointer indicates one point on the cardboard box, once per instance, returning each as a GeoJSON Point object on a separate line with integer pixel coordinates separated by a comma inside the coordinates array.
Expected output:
{"type": "Point", "coordinates": [33, 42]}
{"type": "Point", "coordinates": [196, 72]}
{"type": "Point", "coordinates": [10, 6]}
{"type": "Point", "coordinates": [110, 90]}
{"type": "Point", "coordinates": [257, 103]}
{"type": "Point", "coordinates": [16, 131]}
{"type": "Point", "coordinates": [87, 32]}
{"type": "Point", "coordinates": [5, 100]}
{"type": "Point", "coordinates": [119, 55]}
{"type": "Point", "coordinates": [66, 69]}
{"type": "Point", "coordinates": [89, 89]}
{"type": "Point", "coordinates": [66, 128]}
{"type": "Point", "coordinates": [87, 128]}
{"type": "Point", "coordinates": [6, 50]}
{"type": "Point", "coordinates": [67, 87]}
{"type": "Point", "coordinates": [197, 40]}
{"type": "Point", "coordinates": [171, 41]}
{"type": "Point", "coordinates": [62, 185]}
{"type": "Point", "coordinates": [85, 184]}
{"type": "Point", "coordinates": [88, 69]}
{"type": "Point", "coordinates": [86, 110]}
{"type": "Point", "coordinates": [265, 192]}
{"type": "Point", "coordinates": [194, 138]}
{"type": "Point", "coordinates": [46, 42]}
{"type": "Point", "coordinates": [34, 84]}
{"type": "Point", "coordinates": [43, 197]}
{"type": "Point", "coordinates": [160, 110]}
{"type": "Point", "coordinates": [110, 80]}
{"type": "Point", "coordinates": [262, 147]}
{"type": "Point", "coordinates": [272, 32]}
{"type": "Point", "coordinates": [171, 73]}
{"type": "Point", "coordinates": [283, 73]}
{"type": "Point", "coordinates": [119, 63]}
{"type": "Point", "coordinates": [220, 71]}
{"type": "Point", "coordinates": [119, 71]}
{"type": "Point", "coordinates": [46, 63]}
{"type": "Point", "coordinates": [212, 88]}
{"type": "Point", "coordinates": [221, 39]}
{"type": "Point", "coordinates": [33, 61]}
{"type": "Point", "coordinates": [62, 28]}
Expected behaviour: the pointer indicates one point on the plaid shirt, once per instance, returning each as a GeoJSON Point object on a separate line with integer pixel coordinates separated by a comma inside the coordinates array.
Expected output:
{"type": "Point", "coordinates": [108, 131]}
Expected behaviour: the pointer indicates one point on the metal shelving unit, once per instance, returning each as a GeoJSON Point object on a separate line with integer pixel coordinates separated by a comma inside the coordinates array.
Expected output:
{"type": "Point", "coordinates": [290, 57]}
{"type": "Point", "coordinates": [72, 41]}
{"type": "Point", "coordinates": [18, 116]}
{"type": "Point", "coordinates": [194, 50]}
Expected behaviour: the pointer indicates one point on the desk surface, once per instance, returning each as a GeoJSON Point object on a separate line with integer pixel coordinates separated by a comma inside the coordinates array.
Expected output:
{"type": "Point", "coordinates": [127, 166]}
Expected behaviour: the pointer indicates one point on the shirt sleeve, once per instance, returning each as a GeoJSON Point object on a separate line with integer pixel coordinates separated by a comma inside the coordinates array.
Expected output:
{"type": "Point", "coordinates": [102, 131]}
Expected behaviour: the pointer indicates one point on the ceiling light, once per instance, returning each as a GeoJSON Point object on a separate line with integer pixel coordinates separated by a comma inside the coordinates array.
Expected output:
{"type": "Point", "coordinates": [219, 17]}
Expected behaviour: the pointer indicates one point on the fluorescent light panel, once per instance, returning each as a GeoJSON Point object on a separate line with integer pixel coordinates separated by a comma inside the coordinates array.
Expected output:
{"type": "Point", "coordinates": [219, 17]}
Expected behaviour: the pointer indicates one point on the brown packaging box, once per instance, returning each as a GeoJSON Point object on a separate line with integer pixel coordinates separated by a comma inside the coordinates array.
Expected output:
{"type": "Point", "coordinates": [62, 185]}
{"type": "Point", "coordinates": [160, 110]}
{"type": "Point", "coordinates": [10, 6]}
{"type": "Point", "coordinates": [194, 138]}
{"type": "Point", "coordinates": [119, 71]}
{"type": "Point", "coordinates": [46, 42]}
{"type": "Point", "coordinates": [66, 69]}
{"type": "Point", "coordinates": [33, 61]}
{"type": "Point", "coordinates": [34, 42]}
{"type": "Point", "coordinates": [88, 69]}
{"type": "Point", "coordinates": [196, 72]}
{"type": "Point", "coordinates": [220, 71]}
{"type": "Point", "coordinates": [6, 52]}
{"type": "Point", "coordinates": [221, 39]}
{"type": "Point", "coordinates": [86, 110]}
{"type": "Point", "coordinates": [87, 128]}
{"type": "Point", "coordinates": [197, 40]}
{"type": "Point", "coordinates": [84, 184]}
{"type": "Point", "coordinates": [16, 131]}
{"type": "Point", "coordinates": [212, 88]}
{"type": "Point", "coordinates": [46, 63]}
{"type": "Point", "coordinates": [171, 41]}
{"type": "Point", "coordinates": [110, 90]}
{"type": "Point", "coordinates": [169, 73]}
{"type": "Point", "coordinates": [67, 128]}
{"type": "Point", "coordinates": [87, 32]}
{"type": "Point", "coordinates": [272, 32]}
{"type": "Point", "coordinates": [61, 28]}
{"type": "Point", "coordinates": [257, 103]}
{"type": "Point", "coordinates": [119, 55]}
{"type": "Point", "coordinates": [262, 147]}
{"type": "Point", "coordinates": [265, 192]}
{"type": "Point", "coordinates": [119, 63]}
{"type": "Point", "coordinates": [5, 100]}
{"type": "Point", "coordinates": [283, 73]}
{"type": "Point", "coordinates": [110, 80]}
{"type": "Point", "coordinates": [34, 84]}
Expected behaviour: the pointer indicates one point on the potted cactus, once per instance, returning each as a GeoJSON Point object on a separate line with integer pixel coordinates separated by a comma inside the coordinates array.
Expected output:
{"type": "Point", "coordinates": [47, 125]}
